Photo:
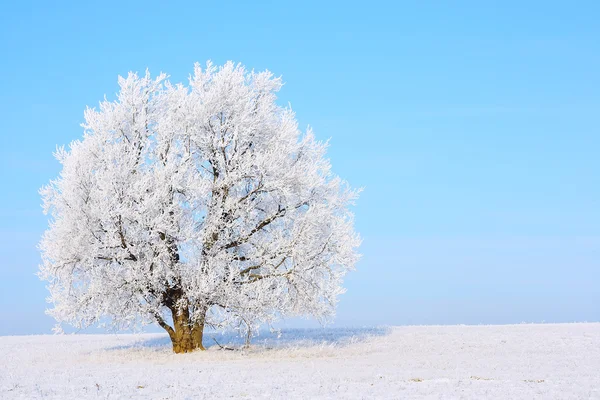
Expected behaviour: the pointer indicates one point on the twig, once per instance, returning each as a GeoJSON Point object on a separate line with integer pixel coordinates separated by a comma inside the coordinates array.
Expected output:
{"type": "Point", "coordinates": [222, 347]}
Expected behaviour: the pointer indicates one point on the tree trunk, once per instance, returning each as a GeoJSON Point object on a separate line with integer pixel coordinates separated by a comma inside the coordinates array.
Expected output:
{"type": "Point", "coordinates": [186, 336]}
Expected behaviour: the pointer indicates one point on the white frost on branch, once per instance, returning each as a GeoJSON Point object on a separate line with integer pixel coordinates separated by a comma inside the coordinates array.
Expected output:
{"type": "Point", "coordinates": [207, 196]}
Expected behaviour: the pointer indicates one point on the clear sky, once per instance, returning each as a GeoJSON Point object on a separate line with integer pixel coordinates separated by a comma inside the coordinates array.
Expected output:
{"type": "Point", "coordinates": [474, 128]}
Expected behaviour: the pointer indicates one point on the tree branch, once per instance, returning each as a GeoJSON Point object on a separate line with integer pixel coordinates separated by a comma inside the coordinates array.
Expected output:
{"type": "Point", "coordinates": [164, 325]}
{"type": "Point", "coordinates": [280, 212]}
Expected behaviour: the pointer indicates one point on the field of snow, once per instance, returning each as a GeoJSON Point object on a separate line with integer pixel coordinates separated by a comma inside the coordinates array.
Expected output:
{"type": "Point", "coordinates": [550, 361]}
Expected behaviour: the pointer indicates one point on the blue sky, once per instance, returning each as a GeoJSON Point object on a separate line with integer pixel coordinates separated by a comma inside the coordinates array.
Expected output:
{"type": "Point", "coordinates": [474, 129]}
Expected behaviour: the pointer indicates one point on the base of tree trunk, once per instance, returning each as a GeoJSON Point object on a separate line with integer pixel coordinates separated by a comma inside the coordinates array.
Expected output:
{"type": "Point", "coordinates": [186, 336]}
{"type": "Point", "coordinates": [186, 345]}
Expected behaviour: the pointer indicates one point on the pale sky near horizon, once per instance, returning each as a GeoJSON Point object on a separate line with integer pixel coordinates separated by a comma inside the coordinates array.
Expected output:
{"type": "Point", "coordinates": [474, 128]}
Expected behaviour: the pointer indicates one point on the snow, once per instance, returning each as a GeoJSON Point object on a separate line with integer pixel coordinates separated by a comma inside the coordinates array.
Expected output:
{"type": "Point", "coordinates": [526, 361]}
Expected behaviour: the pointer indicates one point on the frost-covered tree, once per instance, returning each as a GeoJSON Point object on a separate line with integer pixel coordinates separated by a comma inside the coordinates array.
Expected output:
{"type": "Point", "coordinates": [195, 205]}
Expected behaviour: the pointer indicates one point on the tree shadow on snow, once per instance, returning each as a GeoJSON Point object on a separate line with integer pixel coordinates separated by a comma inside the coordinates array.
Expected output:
{"type": "Point", "coordinates": [285, 338]}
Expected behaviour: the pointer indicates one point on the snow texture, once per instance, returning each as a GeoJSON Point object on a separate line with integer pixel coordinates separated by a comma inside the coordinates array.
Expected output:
{"type": "Point", "coordinates": [550, 361]}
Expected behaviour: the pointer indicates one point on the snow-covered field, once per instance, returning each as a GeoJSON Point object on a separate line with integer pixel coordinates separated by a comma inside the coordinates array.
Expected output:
{"type": "Point", "coordinates": [550, 361]}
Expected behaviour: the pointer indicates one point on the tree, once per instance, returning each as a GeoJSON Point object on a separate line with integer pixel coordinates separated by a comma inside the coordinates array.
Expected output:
{"type": "Point", "coordinates": [195, 205]}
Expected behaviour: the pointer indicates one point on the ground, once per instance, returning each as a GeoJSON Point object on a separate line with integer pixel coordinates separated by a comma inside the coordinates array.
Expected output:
{"type": "Point", "coordinates": [546, 361]}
